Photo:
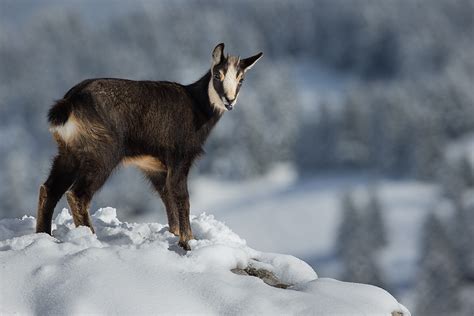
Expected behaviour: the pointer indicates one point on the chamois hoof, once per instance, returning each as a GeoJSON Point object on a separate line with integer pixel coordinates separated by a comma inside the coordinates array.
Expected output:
{"type": "Point", "coordinates": [174, 231]}
{"type": "Point", "coordinates": [41, 230]}
{"type": "Point", "coordinates": [184, 245]}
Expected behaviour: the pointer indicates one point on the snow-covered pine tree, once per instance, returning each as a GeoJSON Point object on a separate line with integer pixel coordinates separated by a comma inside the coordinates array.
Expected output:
{"type": "Point", "coordinates": [355, 248]}
{"type": "Point", "coordinates": [466, 171]}
{"type": "Point", "coordinates": [438, 280]}
{"type": "Point", "coordinates": [456, 176]}
{"type": "Point", "coordinates": [350, 222]}
{"type": "Point", "coordinates": [373, 220]}
{"type": "Point", "coordinates": [463, 237]}
{"type": "Point", "coordinates": [359, 265]}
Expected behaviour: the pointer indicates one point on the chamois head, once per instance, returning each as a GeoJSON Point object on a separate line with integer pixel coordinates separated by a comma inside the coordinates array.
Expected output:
{"type": "Point", "coordinates": [227, 75]}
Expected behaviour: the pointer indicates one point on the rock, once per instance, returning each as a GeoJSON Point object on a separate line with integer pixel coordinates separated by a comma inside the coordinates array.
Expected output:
{"type": "Point", "coordinates": [265, 275]}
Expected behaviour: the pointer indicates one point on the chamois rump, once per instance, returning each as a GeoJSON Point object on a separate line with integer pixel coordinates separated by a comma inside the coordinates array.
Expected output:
{"type": "Point", "coordinates": [158, 126]}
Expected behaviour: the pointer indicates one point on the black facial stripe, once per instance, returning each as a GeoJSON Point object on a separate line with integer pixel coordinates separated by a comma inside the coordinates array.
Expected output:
{"type": "Point", "coordinates": [219, 87]}
{"type": "Point", "coordinates": [218, 84]}
{"type": "Point", "coordinates": [237, 90]}
{"type": "Point", "coordinates": [220, 68]}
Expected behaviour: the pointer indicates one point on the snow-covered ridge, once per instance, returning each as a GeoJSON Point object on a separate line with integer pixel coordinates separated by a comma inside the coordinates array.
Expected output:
{"type": "Point", "coordinates": [138, 269]}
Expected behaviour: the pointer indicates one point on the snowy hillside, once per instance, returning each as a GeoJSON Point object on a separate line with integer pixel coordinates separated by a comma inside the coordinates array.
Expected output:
{"type": "Point", "coordinates": [137, 268]}
{"type": "Point", "coordinates": [277, 213]}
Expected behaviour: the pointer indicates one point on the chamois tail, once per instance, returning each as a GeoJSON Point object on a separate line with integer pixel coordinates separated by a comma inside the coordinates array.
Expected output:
{"type": "Point", "coordinates": [59, 112]}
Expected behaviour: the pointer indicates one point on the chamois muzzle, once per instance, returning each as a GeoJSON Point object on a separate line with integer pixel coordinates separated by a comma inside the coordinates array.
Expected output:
{"type": "Point", "coordinates": [228, 103]}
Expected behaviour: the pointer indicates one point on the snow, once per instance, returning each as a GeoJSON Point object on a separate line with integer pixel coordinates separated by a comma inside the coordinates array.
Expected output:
{"type": "Point", "coordinates": [281, 213]}
{"type": "Point", "coordinates": [278, 213]}
{"type": "Point", "coordinates": [136, 268]}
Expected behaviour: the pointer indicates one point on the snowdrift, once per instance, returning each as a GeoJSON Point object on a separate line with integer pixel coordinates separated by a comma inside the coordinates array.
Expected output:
{"type": "Point", "coordinates": [136, 268]}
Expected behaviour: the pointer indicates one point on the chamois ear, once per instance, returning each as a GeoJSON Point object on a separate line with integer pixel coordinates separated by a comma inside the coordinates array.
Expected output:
{"type": "Point", "coordinates": [248, 63]}
{"type": "Point", "coordinates": [218, 54]}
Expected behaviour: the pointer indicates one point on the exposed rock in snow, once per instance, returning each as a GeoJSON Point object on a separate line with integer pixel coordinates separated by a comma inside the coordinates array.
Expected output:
{"type": "Point", "coordinates": [137, 268]}
{"type": "Point", "coordinates": [266, 276]}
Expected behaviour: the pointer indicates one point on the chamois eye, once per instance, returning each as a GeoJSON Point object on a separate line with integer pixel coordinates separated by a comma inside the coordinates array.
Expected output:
{"type": "Point", "coordinates": [217, 77]}
{"type": "Point", "coordinates": [240, 81]}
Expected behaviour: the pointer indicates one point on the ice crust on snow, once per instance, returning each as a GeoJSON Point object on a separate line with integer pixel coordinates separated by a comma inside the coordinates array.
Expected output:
{"type": "Point", "coordinates": [136, 268]}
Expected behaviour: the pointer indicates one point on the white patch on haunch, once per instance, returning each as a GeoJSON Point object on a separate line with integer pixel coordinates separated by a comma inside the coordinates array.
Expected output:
{"type": "Point", "coordinates": [68, 131]}
{"type": "Point", "coordinates": [77, 129]}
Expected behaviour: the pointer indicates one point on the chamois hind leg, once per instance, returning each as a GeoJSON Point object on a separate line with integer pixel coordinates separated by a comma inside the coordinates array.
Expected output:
{"type": "Point", "coordinates": [176, 183]}
{"type": "Point", "coordinates": [60, 179]}
{"type": "Point", "coordinates": [91, 176]}
{"type": "Point", "coordinates": [158, 180]}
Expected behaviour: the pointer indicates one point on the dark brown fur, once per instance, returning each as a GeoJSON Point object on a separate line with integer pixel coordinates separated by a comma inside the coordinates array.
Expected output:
{"type": "Point", "coordinates": [159, 126]}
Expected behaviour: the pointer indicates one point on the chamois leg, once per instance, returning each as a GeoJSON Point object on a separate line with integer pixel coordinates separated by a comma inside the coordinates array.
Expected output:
{"type": "Point", "coordinates": [158, 180]}
{"type": "Point", "coordinates": [91, 176]}
{"type": "Point", "coordinates": [60, 179]}
{"type": "Point", "coordinates": [176, 183]}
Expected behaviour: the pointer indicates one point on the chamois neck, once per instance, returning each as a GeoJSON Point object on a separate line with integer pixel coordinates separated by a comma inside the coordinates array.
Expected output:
{"type": "Point", "coordinates": [199, 92]}
{"type": "Point", "coordinates": [207, 115]}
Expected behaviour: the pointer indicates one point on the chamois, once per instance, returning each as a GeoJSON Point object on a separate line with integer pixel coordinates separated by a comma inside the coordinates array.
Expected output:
{"type": "Point", "coordinates": [158, 126]}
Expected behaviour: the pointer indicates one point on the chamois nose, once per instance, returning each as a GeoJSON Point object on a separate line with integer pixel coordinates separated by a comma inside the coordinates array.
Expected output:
{"type": "Point", "coordinates": [229, 101]}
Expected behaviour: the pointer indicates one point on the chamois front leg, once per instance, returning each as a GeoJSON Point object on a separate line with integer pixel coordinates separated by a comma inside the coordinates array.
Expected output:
{"type": "Point", "coordinates": [177, 185]}
{"type": "Point", "coordinates": [158, 180]}
{"type": "Point", "coordinates": [185, 233]}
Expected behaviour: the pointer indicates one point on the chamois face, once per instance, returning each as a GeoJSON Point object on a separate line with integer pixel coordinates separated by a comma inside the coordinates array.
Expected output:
{"type": "Point", "coordinates": [227, 75]}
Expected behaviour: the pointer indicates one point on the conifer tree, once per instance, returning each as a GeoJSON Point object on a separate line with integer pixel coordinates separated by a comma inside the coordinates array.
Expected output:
{"type": "Point", "coordinates": [374, 222]}
{"type": "Point", "coordinates": [350, 222]}
{"type": "Point", "coordinates": [438, 280]}
{"type": "Point", "coordinates": [354, 247]}
{"type": "Point", "coordinates": [463, 239]}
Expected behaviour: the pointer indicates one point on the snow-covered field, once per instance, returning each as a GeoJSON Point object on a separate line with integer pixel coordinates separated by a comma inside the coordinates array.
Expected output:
{"type": "Point", "coordinates": [284, 214]}
{"type": "Point", "coordinates": [277, 213]}
{"type": "Point", "coordinates": [138, 269]}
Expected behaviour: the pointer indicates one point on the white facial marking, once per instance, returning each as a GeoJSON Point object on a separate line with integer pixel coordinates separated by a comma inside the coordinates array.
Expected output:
{"type": "Point", "coordinates": [230, 83]}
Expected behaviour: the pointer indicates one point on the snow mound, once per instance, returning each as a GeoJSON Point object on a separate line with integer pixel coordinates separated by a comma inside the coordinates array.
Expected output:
{"type": "Point", "coordinates": [132, 268]}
